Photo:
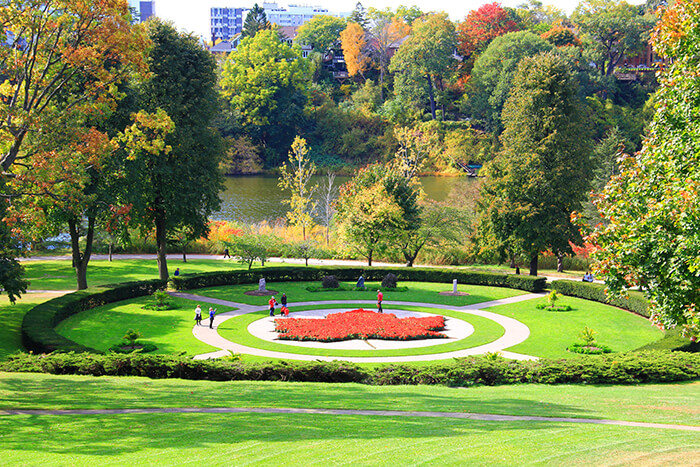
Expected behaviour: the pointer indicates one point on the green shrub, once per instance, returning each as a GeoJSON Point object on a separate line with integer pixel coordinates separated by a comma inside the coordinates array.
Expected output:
{"type": "Point", "coordinates": [627, 368]}
{"type": "Point", "coordinates": [123, 347]}
{"type": "Point", "coordinates": [389, 281]}
{"type": "Point", "coordinates": [636, 302]}
{"type": "Point", "coordinates": [38, 332]}
{"type": "Point", "coordinates": [329, 282]}
{"type": "Point", "coordinates": [589, 349]}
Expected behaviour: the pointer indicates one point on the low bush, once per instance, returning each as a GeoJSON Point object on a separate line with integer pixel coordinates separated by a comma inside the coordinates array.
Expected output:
{"type": "Point", "coordinates": [589, 349]}
{"type": "Point", "coordinates": [627, 368]}
{"type": "Point", "coordinates": [636, 302]}
{"type": "Point", "coordinates": [127, 347]}
{"type": "Point", "coordinates": [316, 273]}
{"type": "Point", "coordinates": [38, 332]}
{"type": "Point", "coordinates": [330, 282]}
{"type": "Point", "coordinates": [389, 281]}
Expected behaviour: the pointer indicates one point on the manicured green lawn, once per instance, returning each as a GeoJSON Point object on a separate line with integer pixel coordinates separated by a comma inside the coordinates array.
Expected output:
{"type": "Point", "coordinates": [422, 292]}
{"type": "Point", "coordinates": [485, 331]}
{"type": "Point", "coordinates": [551, 332]}
{"type": "Point", "coordinates": [305, 439]}
{"type": "Point", "coordinates": [170, 330]}
{"type": "Point", "coordinates": [11, 319]}
{"type": "Point", "coordinates": [59, 275]}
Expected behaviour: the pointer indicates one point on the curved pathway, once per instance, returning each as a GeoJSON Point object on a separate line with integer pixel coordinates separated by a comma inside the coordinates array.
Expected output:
{"type": "Point", "coordinates": [515, 331]}
{"type": "Point", "coordinates": [369, 413]}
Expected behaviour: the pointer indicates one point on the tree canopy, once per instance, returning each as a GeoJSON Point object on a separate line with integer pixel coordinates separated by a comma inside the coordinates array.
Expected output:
{"type": "Point", "coordinates": [255, 21]}
{"type": "Point", "coordinates": [322, 32]}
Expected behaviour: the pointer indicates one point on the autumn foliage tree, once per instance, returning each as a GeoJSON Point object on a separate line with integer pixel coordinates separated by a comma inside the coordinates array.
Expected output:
{"type": "Point", "coordinates": [354, 43]}
{"type": "Point", "coordinates": [295, 176]}
{"type": "Point", "coordinates": [480, 27]}
{"type": "Point", "coordinates": [651, 237]}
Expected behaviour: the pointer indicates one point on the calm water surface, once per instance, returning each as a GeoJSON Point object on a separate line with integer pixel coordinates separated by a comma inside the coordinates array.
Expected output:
{"type": "Point", "coordinates": [257, 197]}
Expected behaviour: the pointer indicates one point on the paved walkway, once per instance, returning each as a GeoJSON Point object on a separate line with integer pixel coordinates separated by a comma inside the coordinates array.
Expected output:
{"type": "Point", "coordinates": [368, 413]}
{"type": "Point", "coordinates": [515, 331]}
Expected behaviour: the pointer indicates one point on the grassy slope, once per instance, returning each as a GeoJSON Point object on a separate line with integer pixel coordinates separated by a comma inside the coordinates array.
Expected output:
{"type": "Point", "coordinates": [552, 332]}
{"type": "Point", "coordinates": [324, 439]}
{"type": "Point", "coordinates": [11, 319]}
{"type": "Point", "coordinates": [169, 330]}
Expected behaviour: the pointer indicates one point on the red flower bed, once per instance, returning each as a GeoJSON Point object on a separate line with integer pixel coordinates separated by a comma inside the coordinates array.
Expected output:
{"type": "Point", "coordinates": [360, 324]}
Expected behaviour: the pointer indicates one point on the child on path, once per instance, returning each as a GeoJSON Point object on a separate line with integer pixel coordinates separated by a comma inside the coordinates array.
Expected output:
{"type": "Point", "coordinates": [212, 312]}
{"type": "Point", "coordinates": [272, 302]}
{"type": "Point", "coordinates": [284, 311]}
{"type": "Point", "coordinates": [380, 297]}
{"type": "Point", "coordinates": [198, 315]}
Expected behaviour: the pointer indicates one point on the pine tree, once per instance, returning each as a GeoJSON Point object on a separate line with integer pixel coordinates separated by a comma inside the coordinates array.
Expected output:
{"type": "Point", "coordinates": [255, 21]}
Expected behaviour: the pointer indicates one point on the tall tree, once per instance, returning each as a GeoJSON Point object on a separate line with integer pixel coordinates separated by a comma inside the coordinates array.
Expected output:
{"type": "Point", "coordinates": [355, 49]}
{"type": "Point", "coordinates": [479, 28]}
{"type": "Point", "coordinates": [11, 271]}
{"type": "Point", "coordinates": [541, 175]}
{"type": "Point", "coordinates": [322, 32]}
{"type": "Point", "coordinates": [386, 33]}
{"type": "Point", "coordinates": [651, 236]}
{"type": "Point", "coordinates": [329, 193]}
{"type": "Point", "coordinates": [428, 52]}
{"type": "Point", "coordinates": [265, 82]}
{"type": "Point", "coordinates": [255, 21]}
{"type": "Point", "coordinates": [611, 30]}
{"type": "Point", "coordinates": [179, 187]}
{"type": "Point", "coordinates": [492, 76]}
{"type": "Point", "coordinates": [359, 16]}
{"type": "Point", "coordinates": [296, 177]}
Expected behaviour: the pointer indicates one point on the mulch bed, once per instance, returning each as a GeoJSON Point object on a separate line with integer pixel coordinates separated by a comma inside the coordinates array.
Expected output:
{"type": "Point", "coordinates": [452, 294]}
{"type": "Point", "coordinates": [260, 293]}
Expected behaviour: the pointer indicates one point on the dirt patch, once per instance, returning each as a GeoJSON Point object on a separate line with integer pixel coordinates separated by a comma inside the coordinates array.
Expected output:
{"type": "Point", "coordinates": [260, 293]}
{"type": "Point", "coordinates": [453, 294]}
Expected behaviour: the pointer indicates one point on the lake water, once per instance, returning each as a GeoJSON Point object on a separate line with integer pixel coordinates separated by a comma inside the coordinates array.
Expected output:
{"type": "Point", "coordinates": [255, 198]}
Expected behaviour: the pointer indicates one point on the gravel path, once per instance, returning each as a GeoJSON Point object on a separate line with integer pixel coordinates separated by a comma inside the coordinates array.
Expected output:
{"type": "Point", "coordinates": [368, 413]}
{"type": "Point", "coordinates": [515, 331]}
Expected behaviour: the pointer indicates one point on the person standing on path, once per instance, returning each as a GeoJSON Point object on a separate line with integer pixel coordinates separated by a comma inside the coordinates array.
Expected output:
{"type": "Point", "coordinates": [198, 315]}
{"type": "Point", "coordinates": [272, 302]}
{"type": "Point", "coordinates": [212, 312]}
{"type": "Point", "coordinates": [380, 297]}
{"type": "Point", "coordinates": [283, 299]}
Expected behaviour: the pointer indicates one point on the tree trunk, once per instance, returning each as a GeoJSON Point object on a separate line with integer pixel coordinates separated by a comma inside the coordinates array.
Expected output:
{"type": "Point", "coordinates": [431, 95]}
{"type": "Point", "coordinates": [303, 232]}
{"type": "Point", "coordinates": [512, 262]}
{"type": "Point", "coordinates": [381, 83]}
{"type": "Point", "coordinates": [81, 260]}
{"type": "Point", "coordinates": [306, 260]}
{"type": "Point", "coordinates": [560, 262]}
{"type": "Point", "coordinates": [110, 252]}
{"type": "Point", "coordinates": [533, 265]}
{"type": "Point", "coordinates": [184, 254]}
{"type": "Point", "coordinates": [328, 229]}
{"type": "Point", "coordinates": [9, 157]}
{"type": "Point", "coordinates": [369, 257]}
{"type": "Point", "coordinates": [161, 244]}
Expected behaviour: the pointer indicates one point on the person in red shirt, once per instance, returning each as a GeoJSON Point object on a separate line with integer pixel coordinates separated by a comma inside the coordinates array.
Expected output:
{"type": "Point", "coordinates": [272, 303]}
{"type": "Point", "coordinates": [284, 310]}
{"type": "Point", "coordinates": [380, 297]}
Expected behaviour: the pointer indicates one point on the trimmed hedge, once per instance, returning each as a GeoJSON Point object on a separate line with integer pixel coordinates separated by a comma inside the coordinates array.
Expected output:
{"type": "Point", "coordinates": [636, 303]}
{"type": "Point", "coordinates": [38, 325]}
{"type": "Point", "coordinates": [316, 273]}
{"type": "Point", "coordinates": [628, 368]}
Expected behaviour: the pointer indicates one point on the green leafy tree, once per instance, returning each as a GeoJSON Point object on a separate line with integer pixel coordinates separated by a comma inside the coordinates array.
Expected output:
{"type": "Point", "coordinates": [265, 82]}
{"type": "Point", "coordinates": [651, 237]}
{"type": "Point", "coordinates": [251, 246]}
{"type": "Point", "coordinates": [296, 177]}
{"type": "Point", "coordinates": [322, 32]}
{"type": "Point", "coordinates": [11, 271]}
{"type": "Point", "coordinates": [427, 54]}
{"type": "Point", "coordinates": [541, 175]}
{"type": "Point", "coordinates": [492, 76]}
{"type": "Point", "coordinates": [611, 30]}
{"type": "Point", "coordinates": [179, 187]}
{"type": "Point", "coordinates": [255, 21]}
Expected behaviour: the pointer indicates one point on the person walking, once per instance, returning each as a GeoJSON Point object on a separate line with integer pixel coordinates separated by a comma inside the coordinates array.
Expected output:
{"type": "Point", "coordinates": [212, 312]}
{"type": "Point", "coordinates": [283, 299]}
{"type": "Point", "coordinates": [226, 255]}
{"type": "Point", "coordinates": [272, 302]}
{"type": "Point", "coordinates": [198, 315]}
{"type": "Point", "coordinates": [380, 297]}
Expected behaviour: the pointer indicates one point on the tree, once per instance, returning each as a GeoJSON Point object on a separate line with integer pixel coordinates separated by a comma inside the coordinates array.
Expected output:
{"type": "Point", "coordinates": [329, 193]}
{"type": "Point", "coordinates": [492, 76]}
{"type": "Point", "coordinates": [541, 175]}
{"type": "Point", "coordinates": [265, 82]}
{"type": "Point", "coordinates": [179, 187]}
{"type": "Point", "coordinates": [251, 246]}
{"type": "Point", "coordinates": [359, 16]}
{"type": "Point", "coordinates": [559, 36]}
{"type": "Point", "coordinates": [11, 271]}
{"type": "Point", "coordinates": [304, 249]}
{"type": "Point", "coordinates": [374, 207]}
{"type": "Point", "coordinates": [427, 53]}
{"type": "Point", "coordinates": [610, 30]}
{"type": "Point", "coordinates": [479, 28]}
{"type": "Point", "coordinates": [538, 18]}
{"type": "Point", "coordinates": [355, 50]}
{"type": "Point", "coordinates": [295, 177]}
{"type": "Point", "coordinates": [651, 236]}
{"type": "Point", "coordinates": [386, 32]}
{"type": "Point", "coordinates": [322, 32]}
{"type": "Point", "coordinates": [255, 21]}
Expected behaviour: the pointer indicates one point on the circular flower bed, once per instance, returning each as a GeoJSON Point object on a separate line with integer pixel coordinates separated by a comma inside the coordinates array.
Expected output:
{"type": "Point", "coordinates": [360, 324]}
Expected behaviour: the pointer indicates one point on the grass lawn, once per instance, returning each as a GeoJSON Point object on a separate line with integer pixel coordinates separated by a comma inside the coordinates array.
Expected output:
{"type": "Point", "coordinates": [485, 331]}
{"type": "Point", "coordinates": [170, 330]}
{"type": "Point", "coordinates": [59, 275]}
{"type": "Point", "coordinates": [423, 292]}
{"type": "Point", "coordinates": [303, 439]}
{"type": "Point", "coordinates": [552, 332]}
{"type": "Point", "coordinates": [11, 319]}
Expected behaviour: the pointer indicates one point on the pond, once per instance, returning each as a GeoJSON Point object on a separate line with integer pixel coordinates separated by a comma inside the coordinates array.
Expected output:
{"type": "Point", "coordinates": [255, 198]}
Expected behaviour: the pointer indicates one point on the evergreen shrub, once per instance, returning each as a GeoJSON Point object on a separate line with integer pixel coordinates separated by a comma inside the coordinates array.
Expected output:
{"type": "Point", "coordinates": [636, 302]}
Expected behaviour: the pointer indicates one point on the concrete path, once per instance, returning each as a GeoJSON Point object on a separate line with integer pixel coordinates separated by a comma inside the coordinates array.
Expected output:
{"type": "Point", "coordinates": [515, 331]}
{"type": "Point", "coordinates": [367, 413]}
